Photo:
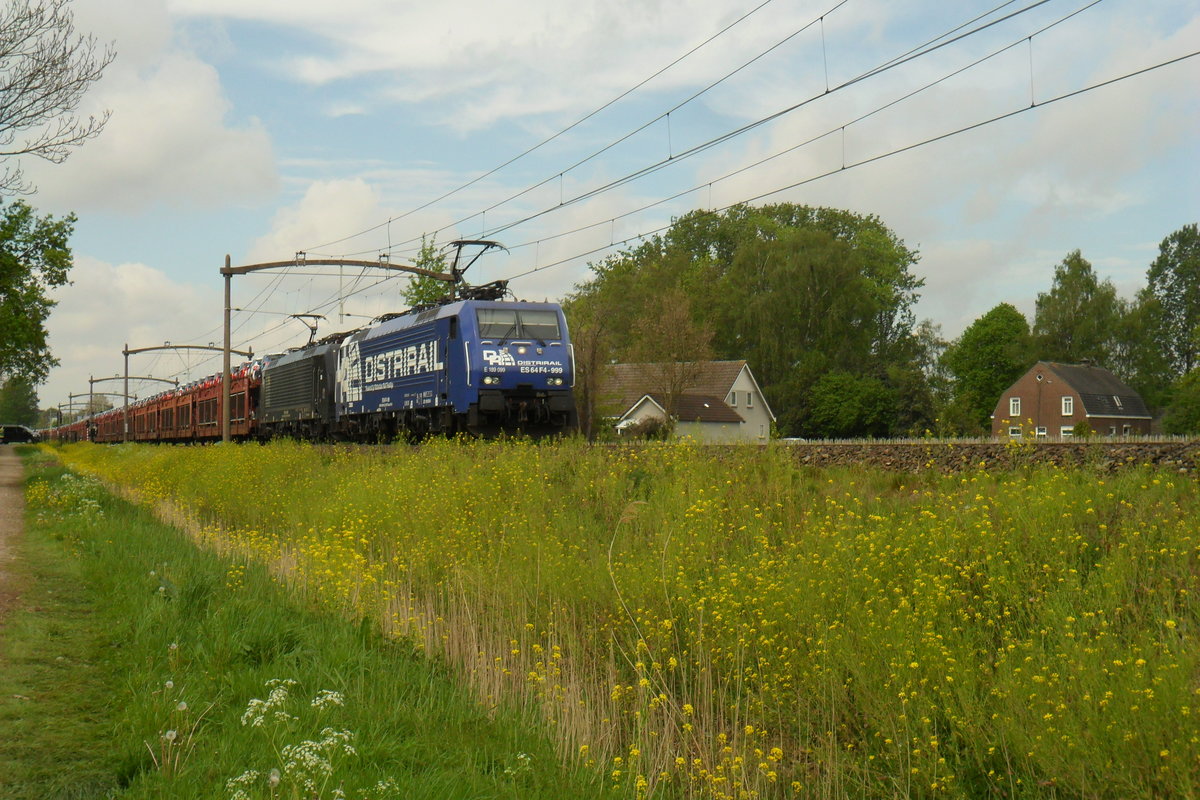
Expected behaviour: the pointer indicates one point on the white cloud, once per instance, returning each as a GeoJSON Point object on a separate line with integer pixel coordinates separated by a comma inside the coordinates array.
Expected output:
{"type": "Point", "coordinates": [108, 306]}
{"type": "Point", "coordinates": [495, 61]}
{"type": "Point", "coordinates": [328, 210]}
{"type": "Point", "coordinates": [169, 141]}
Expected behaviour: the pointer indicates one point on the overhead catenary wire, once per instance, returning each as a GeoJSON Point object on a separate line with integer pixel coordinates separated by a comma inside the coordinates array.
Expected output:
{"type": "Point", "coordinates": [840, 128]}
{"type": "Point", "coordinates": [951, 36]}
{"type": "Point", "coordinates": [554, 136]}
{"type": "Point", "coordinates": [557, 174]}
{"type": "Point", "coordinates": [843, 167]}
{"type": "Point", "coordinates": [736, 132]}
{"type": "Point", "coordinates": [882, 156]}
{"type": "Point", "coordinates": [326, 304]}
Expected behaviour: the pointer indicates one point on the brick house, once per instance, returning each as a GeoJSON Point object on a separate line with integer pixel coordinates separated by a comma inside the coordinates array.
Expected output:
{"type": "Point", "coordinates": [721, 403]}
{"type": "Point", "coordinates": [1051, 398]}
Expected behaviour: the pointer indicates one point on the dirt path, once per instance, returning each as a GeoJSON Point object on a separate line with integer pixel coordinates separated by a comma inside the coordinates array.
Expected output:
{"type": "Point", "coordinates": [12, 512]}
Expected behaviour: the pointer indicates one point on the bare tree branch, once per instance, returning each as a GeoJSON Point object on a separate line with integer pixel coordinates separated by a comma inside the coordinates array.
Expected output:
{"type": "Point", "coordinates": [45, 69]}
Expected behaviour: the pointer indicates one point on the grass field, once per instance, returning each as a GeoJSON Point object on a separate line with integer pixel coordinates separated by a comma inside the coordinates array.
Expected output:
{"type": "Point", "coordinates": [736, 626]}
{"type": "Point", "coordinates": [140, 666]}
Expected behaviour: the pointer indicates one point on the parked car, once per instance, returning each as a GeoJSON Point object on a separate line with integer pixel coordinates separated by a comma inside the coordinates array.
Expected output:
{"type": "Point", "coordinates": [12, 434]}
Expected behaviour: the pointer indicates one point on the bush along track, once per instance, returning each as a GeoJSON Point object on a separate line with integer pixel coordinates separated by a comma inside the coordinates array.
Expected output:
{"type": "Point", "coordinates": [136, 665]}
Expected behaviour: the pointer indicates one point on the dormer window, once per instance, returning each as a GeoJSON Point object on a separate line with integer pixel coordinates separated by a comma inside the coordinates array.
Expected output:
{"type": "Point", "coordinates": [733, 399]}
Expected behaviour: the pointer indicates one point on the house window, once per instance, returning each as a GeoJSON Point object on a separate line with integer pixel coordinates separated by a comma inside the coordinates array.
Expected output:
{"type": "Point", "coordinates": [1066, 431]}
{"type": "Point", "coordinates": [1117, 400]}
{"type": "Point", "coordinates": [1015, 431]}
{"type": "Point", "coordinates": [749, 399]}
{"type": "Point", "coordinates": [1041, 430]}
{"type": "Point", "coordinates": [733, 399]}
{"type": "Point", "coordinates": [1126, 430]}
{"type": "Point", "coordinates": [1112, 430]}
{"type": "Point", "coordinates": [1068, 405]}
{"type": "Point", "coordinates": [1014, 406]}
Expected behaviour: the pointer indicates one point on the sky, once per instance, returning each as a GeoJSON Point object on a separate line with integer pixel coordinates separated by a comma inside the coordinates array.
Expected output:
{"type": "Point", "coordinates": [261, 129]}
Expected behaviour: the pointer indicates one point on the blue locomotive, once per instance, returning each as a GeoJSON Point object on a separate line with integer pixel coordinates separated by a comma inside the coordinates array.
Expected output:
{"type": "Point", "coordinates": [481, 366]}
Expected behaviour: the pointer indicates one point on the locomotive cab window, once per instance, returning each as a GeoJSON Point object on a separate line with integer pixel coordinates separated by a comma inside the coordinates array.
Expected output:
{"type": "Point", "coordinates": [497, 323]}
{"type": "Point", "coordinates": [541, 324]}
{"type": "Point", "coordinates": [508, 323]}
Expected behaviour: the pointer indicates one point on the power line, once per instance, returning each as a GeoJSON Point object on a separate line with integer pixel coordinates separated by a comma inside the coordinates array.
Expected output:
{"type": "Point", "coordinates": [880, 157]}
{"type": "Point", "coordinates": [835, 129]}
{"type": "Point", "coordinates": [555, 136]}
{"type": "Point", "coordinates": [559, 174]}
{"type": "Point", "coordinates": [927, 47]}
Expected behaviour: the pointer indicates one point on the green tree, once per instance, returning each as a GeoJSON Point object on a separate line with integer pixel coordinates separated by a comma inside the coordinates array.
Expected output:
{"type": "Point", "coordinates": [1173, 281]}
{"type": "Point", "coordinates": [34, 258]}
{"type": "Point", "coordinates": [1183, 415]}
{"type": "Point", "coordinates": [1077, 319]}
{"type": "Point", "coordinates": [884, 261]}
{"type": "Point", "coordinates": [1135, 355]}
{"type": "Point", "coordinates": [845, 405]}
{"type": "Point", "coordinates": [18, 402]}
{"type": "Point", "coordinates": [591, 339]}
{"type": "Point", "coordinates": [991, 353]}
{"type": "Point", "coordinates": [668, 337]}
{"type": "Point", "coordinates": [423, 290]}
{"type": "Point", "coordinates": [794, 290]}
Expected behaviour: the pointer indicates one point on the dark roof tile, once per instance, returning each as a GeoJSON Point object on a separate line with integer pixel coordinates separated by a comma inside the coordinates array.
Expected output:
{"type": "Point", "coordinates": [625, 384]}
{"type": "Point", "coordinates": [1103, 394]}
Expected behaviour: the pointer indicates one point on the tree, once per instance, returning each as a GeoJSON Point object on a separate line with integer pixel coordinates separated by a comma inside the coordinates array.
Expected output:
{"type": "Point", "coordinates": [667, 338]}
{"type": "Point", "coordinates": [18, 402]}
{"type": "Point", "coordinates": [600, 319]}
{"type": "Point", "coordinates": [1183, 415]}
{"type": "Point", "coordinates": [1077, 319]}
{"type": "Point", "coordinates": [34, 258]}
{"type": "Point", "coordinates": [423, 290]}
{"type": "Point", "coordinates": [45, 69]}
{"type": "Point", "coordinates": [794, 290]}
{"type": "Point", "coordinates": [591, 339]}
{"type": "Point", "coordinates": [1136, 356]}
{"type": "Point", "coordinates": [1173, 281]}
{"type": "Point", "coordinates": [989, 356]}
{"type": "Point", "coordinates": [845, 405]}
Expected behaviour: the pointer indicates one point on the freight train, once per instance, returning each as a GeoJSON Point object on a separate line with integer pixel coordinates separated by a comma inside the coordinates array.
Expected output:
{"type": "Point", "coordinates": [478, 365]}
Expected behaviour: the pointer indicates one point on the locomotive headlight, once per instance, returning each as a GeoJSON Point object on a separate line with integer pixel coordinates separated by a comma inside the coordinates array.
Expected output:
{"type": "Point", "coordinates": [490, 380]}
{"type": "Point", "coordinates": [520, 351]}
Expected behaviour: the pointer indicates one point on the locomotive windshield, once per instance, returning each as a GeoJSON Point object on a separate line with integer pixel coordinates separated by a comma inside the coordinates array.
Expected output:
{"type": "Point", "coordinates": [526, 323]}
{"type": "Point", "coordinates": [539, 324]}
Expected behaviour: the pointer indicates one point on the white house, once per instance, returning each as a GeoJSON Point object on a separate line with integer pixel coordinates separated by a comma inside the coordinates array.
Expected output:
{"type": "Point", "coordinates": [722, 402]}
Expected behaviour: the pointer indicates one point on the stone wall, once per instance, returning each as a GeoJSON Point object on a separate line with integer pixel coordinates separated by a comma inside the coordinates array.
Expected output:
{"type": "Point", "coordinates": [949, 456]}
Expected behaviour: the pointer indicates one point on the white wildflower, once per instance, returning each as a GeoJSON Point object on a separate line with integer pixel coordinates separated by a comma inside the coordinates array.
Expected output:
{"type": "Point", "coordinates": [258, 710]}
{"type": "Point", "coordinates": [326, 698]}
{"type": "Point", "coordinates": [237, 786]}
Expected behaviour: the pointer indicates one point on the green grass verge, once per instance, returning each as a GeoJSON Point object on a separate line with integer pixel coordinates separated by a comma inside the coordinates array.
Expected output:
{"type": "Point", "coordinates": [132, 666]}
{"type": "Point", "coordinates": [54, 698]}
